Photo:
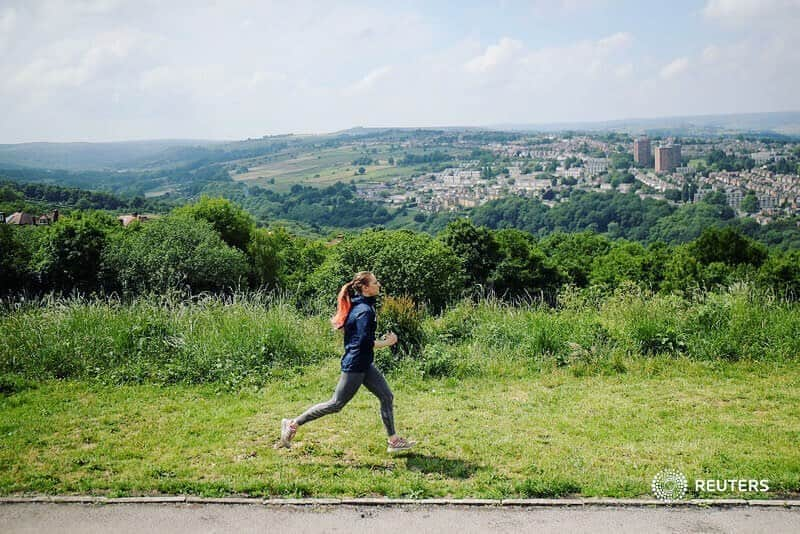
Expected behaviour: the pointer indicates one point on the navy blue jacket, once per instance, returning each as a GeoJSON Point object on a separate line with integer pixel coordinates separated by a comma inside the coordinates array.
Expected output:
{"type": "Point", "coordinates": [359, 335]}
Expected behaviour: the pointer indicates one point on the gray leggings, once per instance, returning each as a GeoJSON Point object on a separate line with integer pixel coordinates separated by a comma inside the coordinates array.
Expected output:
{"type": "Point", "coordinates": [345, 390]}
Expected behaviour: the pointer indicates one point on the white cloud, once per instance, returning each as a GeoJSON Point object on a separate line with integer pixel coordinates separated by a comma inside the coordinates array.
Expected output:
{"type": "Point", "coordinates": [575, 61]}
{"type": "Point", "coordinates": [616, 41]}
{"type": "Point", "coordinates": [495, 55]}
{"type": "Point", "coordinates": [73, 63]}
{"type": "Point", "coordinates": [753, 12]}
{"type": "Point", "coordinates": [368, 81]}
{"type": "Point", "coordinates": [262, 77]}
{"type": "Point", "coordinates": [674, 68]}
{"type": "Point", "coordinates": [710, 53]}
{"type": "Point", "coordinates": [160, 78]}
{"type": "Point", "coordinates": [624, 71]}
{"type": "Point", "coordinates": [8, 21]}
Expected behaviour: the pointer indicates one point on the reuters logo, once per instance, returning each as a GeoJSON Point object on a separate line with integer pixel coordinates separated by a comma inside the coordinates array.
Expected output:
{"type": "Point", "coordinates": [669, 485]}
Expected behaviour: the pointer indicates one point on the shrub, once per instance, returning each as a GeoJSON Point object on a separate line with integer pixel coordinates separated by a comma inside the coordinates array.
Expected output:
{"type": "Point", "coordinates": [440, 361]}
{"type": "Point", "coordinates": [232, 223]}
{"type": "Point", "coordinates": [71, 252]}
{"type": "Point", "coordinates": [401, 316]}
{"type": "Point", "coordinates": [406, 263]}
{"type": "Point", "coordinates": [456, 323]}
{"type": "Point", "coordinates": [645, 323]}
{"type": "Point", "coordinates": [14, 260]}
{"type": "Point", "coordinates": [173, 252]}
{"type": "Point", "coordinates": [232, 342]}
{"type": "Point", "coordinates": [11, 384]}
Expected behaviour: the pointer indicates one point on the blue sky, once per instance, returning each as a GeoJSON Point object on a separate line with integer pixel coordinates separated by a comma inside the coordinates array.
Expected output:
{"type": "Point", "coordinates": [118, 69]}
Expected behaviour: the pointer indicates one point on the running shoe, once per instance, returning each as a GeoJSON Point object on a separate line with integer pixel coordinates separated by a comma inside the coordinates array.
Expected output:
{"type": "Point", "coordinates": [288, 430]}
{"type": "Point", "coordinates": [400, 444]}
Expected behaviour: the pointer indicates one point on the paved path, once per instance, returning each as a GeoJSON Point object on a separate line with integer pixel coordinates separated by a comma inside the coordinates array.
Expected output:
{"type": "Point", "coordinates": [194, 518]}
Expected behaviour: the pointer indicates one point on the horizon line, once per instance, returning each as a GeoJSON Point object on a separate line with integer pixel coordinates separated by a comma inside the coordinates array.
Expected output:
{"type": "Point", "coordinates": [491, 127]}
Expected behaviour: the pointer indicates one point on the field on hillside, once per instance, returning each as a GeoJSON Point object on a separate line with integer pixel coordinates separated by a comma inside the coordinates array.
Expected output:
{"type": "Point", "coordinates": [320, 167]}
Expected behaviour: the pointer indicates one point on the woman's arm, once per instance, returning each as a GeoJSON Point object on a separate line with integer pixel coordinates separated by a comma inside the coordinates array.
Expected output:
{"type": "Point", "coordinates": [387, 341]}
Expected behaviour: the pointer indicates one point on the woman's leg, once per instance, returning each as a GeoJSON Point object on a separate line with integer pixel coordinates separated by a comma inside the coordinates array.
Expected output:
{"type": "Point", "coordinates": [345, 389]}
{"type": "Point", "coordinates": [376, 383]}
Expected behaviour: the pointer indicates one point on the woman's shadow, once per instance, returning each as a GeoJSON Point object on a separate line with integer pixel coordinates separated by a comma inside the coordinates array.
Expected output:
{"type": "Point", "coordinates": [448, 467]}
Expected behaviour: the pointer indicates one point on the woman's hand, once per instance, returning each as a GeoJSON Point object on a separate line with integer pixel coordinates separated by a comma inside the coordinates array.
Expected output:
{"type": "Point", "coordinates": [391, 339]}
{"type": "Point", "coordinates": [387, 340]}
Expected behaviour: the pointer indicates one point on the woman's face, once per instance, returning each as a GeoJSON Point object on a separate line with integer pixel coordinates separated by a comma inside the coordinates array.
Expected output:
{"type": "Point", "coordinates": [371, 288]}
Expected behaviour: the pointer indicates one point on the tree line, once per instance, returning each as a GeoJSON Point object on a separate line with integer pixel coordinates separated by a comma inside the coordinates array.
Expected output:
{"type": "Point", "coordinates": [215, 245]}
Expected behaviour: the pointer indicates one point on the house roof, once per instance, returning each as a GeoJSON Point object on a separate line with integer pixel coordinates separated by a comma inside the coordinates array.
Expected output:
{"type": "Point", "coordinates": [19, 217]}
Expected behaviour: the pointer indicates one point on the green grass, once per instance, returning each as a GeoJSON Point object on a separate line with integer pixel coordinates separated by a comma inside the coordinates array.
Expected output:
{"type": "Point", "coordinates": [524, 432]}
{"type": "Point", "coordinates": [234, 341]}
{"type": "Point", "coordinates": [320, 168]}
{"type": "Point", "coordinates": [592, 398]}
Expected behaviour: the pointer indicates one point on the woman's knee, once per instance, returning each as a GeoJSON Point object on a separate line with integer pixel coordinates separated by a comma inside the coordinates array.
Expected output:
{"type": "Point", "coordinates": [336, 405]}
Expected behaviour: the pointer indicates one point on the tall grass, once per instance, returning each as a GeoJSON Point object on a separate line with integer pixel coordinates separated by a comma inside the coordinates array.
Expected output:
{"type": "Point", "coordinates": [233, 340]}
{"type": "Point", "coordinates": [247, 338]}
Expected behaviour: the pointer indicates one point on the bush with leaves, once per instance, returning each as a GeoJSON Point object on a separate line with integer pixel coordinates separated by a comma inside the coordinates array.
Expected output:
{"type": "Point", "coordinates": [231, 222]}
{"type": "Point", "coordinates": [15, 259]}
{"type": "Point", "coordinates": [407, 263]}
{"type": "Point", "coordinates": [728, 246]}
{"type": "Point", "coordinates": [281, 260]}
{"type": "Point", "coordinates": [475, 246]}
{"type": "Point", "coordinates": [403, 317]}
{"type": "Point", "coordinates": [173, 252]}
{"type": "Point", "coordinates": [781, 273]}
{"type": "Point", "coordinates": [70, 254]}
{"type": "Point", "coordinates": [523, 269]}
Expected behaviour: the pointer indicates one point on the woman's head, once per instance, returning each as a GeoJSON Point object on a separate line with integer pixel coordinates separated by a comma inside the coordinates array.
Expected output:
{"type": "Point", "coordinates": [363, 283]}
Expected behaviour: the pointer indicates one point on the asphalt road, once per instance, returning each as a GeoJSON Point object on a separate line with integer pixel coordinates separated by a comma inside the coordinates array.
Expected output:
{"type": "Point", "coordinates": [194, 518]}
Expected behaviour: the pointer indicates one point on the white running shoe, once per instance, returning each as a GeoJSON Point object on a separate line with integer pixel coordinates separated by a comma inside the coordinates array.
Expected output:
{"type": "Point", "coordinates": [288, 430]}
{"type": "Point", "coordinates": [400, 444]}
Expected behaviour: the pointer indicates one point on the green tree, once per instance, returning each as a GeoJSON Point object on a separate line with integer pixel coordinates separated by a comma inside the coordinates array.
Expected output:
{"type": "Point", "coordinates": [727, 246]}
{"type": "Point", "coordinates": [281, 260]}
{"type": "Point", "coordinates": [177, 251]}
{"type": "Point", "coordinates": [475, 246]}
{"type": "Point", "coordinates": [407, 264]}
{"type": "Point", "coordinates": [628, 261]}
{"type": "Point", "coordinates": [70, 255]}
{"type": "Point", "coordinates": [14, 260]}
{"type": "Point", "coordinates": [621, 160]}
{"type": "Point", "coordinates": [8, 194]}
{"type": "Point", "coordinates": [689, 221]}
{"type": "Point", "coordinates": [573, 254]}
{"type": "Point", "coordinates": [523, 269]}
{"type": "Point", "coordinates": [717, 198]}
{"type": "Point", "coordinates": [231, 222]}
{"type": "Point", "coordinates": [781, 272]}
{"type": "Point", "coordinates": [749, 203]}
{"type": "Point", "coordinates": [682, 271]}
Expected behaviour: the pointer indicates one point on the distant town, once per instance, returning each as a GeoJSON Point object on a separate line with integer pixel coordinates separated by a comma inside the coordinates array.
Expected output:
{"type": "Point", "coordinates": [756, 177]}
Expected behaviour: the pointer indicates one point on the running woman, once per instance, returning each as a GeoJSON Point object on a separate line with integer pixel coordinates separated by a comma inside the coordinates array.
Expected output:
{"type": "Point", "coordinates": [355, 313]}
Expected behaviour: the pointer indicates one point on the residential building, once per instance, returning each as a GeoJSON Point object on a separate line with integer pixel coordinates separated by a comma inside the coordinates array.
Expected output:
{"type": "Point", "coordinates": [641, 151]}
{"type": "Point", "coordinates": [668, 158]}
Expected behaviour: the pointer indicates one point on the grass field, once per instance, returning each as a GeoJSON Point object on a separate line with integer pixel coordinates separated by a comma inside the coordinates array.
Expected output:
{"type": "Point", "coordinates": [319, 168]}
{"type": "Point", "coordinates": [593, 398]}
{"type": "Point", "coordinates": [522, 432]}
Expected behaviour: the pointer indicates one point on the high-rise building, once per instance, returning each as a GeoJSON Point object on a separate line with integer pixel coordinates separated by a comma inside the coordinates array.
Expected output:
{"type": "Point", "coordinates": [668, 158]}
{"type": "Point", "coordinates": [641, 151]}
